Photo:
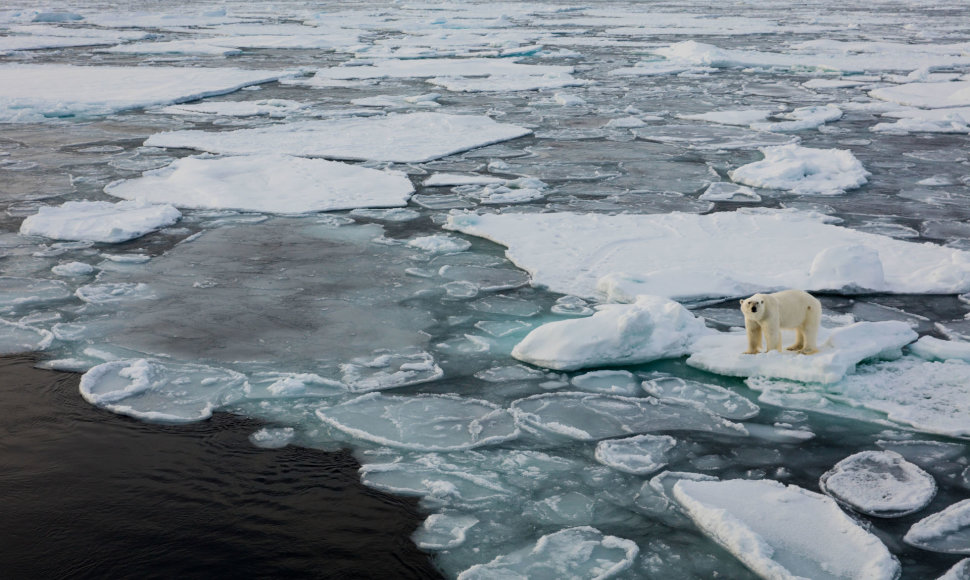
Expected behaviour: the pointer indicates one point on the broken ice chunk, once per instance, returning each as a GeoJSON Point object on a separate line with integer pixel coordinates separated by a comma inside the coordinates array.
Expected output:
{"type": "Point", "coordinates": [17, 338]}
{"type": "Point", "coordinates": [99, 221]}
{"type": "Point", "coordinates": [272, 437]}
{"type": "Point", "coordinates": [714, 398]}
{"type": "Point", "coordinates": [947, 531]}
{"type": "Point", "coordinates": [931, 348]}
{"type": "Point", "coordinates": [437, 482]}
{"type": "Point", "coordinates": [17, 292]}
{"type": "Point", "coordinates": [440, 244]}
{"type": "Point", "coordinates": [879, 483]}
{"type": "Point", "coordinates": [390, 370]}
{"type": "Point", "coordinates": [803, 170]}
{"type": "Point", "coordinates": [114, 292]}
{"type": "Point", "coordinates": [608, 382]}
{"type": "Point", "coordinates": [724, 191]}
{"type": "Point", "coordinates": [639, 455]}
{"type": "Point", "coordinates": [443, 531]}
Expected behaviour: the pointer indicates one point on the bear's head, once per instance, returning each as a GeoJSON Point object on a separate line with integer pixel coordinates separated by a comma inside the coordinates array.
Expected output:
{"type": "Point", "coordinates": [754, 307]}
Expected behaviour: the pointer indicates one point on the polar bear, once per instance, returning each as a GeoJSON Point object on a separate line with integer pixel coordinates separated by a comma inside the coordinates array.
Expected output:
{"type": "Point", "coordinates": [767, 314]}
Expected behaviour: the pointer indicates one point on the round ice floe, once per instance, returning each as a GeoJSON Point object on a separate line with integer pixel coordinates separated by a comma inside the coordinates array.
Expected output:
{"type": "Point", "coordinates": [590, 417]}
{"type": "Point", "coordinates": [440, 244]}
{"type": "Point", "coordinates": [714, 398]}
{"type": "Point", "coordinates": [422, 422]}
{"type": "Point", "coordinates": [99, 221]}
{"type": "Point", "coordinates": [640, 455]}
{"type": "Point", "coordinates": [803, 170]}
{"type": "Point", "coordinates": [946, 531]}
{"type": "Point", "coordinates": [959, 571]}
{"type": "Point", "coordinates": [15, 338]}
{"type": "Point", "coordinates": [114, 292]}
{"type": "Point", "coordinates": [607, 382]}
{"type": "Point", "coordinates": [443, 531]}
{"type": "Point", "coordinates": [73, 269]}
{"type": "Point", "coordinates": [158, 391]}
{"type": "Point", "coordinates": [879, 483]}
{"type": "Point", "coordinates": [581, 552]}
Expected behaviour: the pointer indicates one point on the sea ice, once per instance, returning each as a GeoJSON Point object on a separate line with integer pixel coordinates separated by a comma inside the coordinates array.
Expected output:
{"type": "Point", "coordinates": [406, 138]}
{"type": "Point", "coordinates": [639, 455]}
{"type": "Point", "coordinates": [273, 437]}
{"type": "Point", "coordinates": [927, 95]}
{"type": "Point", "coordinates": [33, 92]}
{"type": "Point", "coordinates": [443, 531]}
{"type": "Point", "coordinates": [617, 334]}
{"type": "Point", "coordinates": [713, 138]}
{"type": "Point", "coordinates": [452, 179]}
{"type": "Point", "coordinates": [959, 571]}
{"type": "Point", "coordinates": [73, 269]}
{"type": "Point", "coordinates": [100, 221]}
{"type": "Point", "coordinates": [389, 370]}
{"type": "Point", "coordinates": [608, 382]}
{"type": "Point", "coordinates": [839, 351]}
{"type": "Point", "coordinates": [581, 552]}
{"type": "Point", "coordinates": [879, 483]}
{"type": "Point", "coordinates": [714, 398]}
{"type": "Point", "coordinates": [591, 417]}
{"type": "Point", "coordinates": [785, 532]}
{"type": "Point", "coordinates": [724, 191]}
{"type": "Point", "coordinates": [266, 183]}
{"type": "Point", "coordinates": [422, 422]}
{"type": "Point", "coordinates": [946, 120]}
{"type": "Point", "coordinates": [803, 170]}
{"type": "Point", "coordinates": [440, 244]}
{"type": "Point", "coordinates": [18, 293]}
{"type": "Point", "coordinates": [438, 482]}
{"type": "Point", "coordinates": [689, 257]}
{"type": "Point", "coordinates": [947, 531]}
{"type": "Point", "coordinates": [931, 348]}
{"type": "Point", "coordinates": [267, 107]}
{"type": "Point", "coordinates": [16, 338]}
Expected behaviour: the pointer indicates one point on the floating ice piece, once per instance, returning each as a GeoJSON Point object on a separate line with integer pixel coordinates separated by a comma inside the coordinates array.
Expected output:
{"type": "Point", "coordinates": [784, 532]}
{"type": "Point", "coordinates": [837, 354]}
{"type": "Point", "coordinates": [690, 257]}
{"type": "Point", "coordinates": [267, 107]}
{"type": "Point", "coordinates": [608, 382]}
{"type": "Point", "coordinates": [651, 68]}
{"type": "Point", "coordinates": [651, 328]}
{"type": "Point", "coordinates": [16, 338]}
{"type": "Point", "coordinates": [443, 531]}
{"type": "Point", "coordinates": [410, 138]}
{"type": "Point", "coordinates": [931, 348]}
{"type": "Point", "coordinates": [708, 138]}
{"type": "Point", "coordinates": [714, 398]}
{"type": "Point", "coordinates": [190, 46]}
{"type": "Point", "coordinates": [422, 422]}
{"type": "Point", "coordinates": [445, 68]}
{"type": "Point", "coordinates": [581, 552]}
{"type": "Point", "coordinates": [802, 118]}
{"type": "Point", "coordinates": [803, 170]}
{"type": "Point", "coordinates": [114, 292]}
{"type": "Point", "coordinates": [282, 385]}
{"type": "Point", "coordinates": [947, 531]}
{"type": "Point", "coordinates": [879, 483]}
{"type": "Point", "coordinates": [946, 120]}
{"type": "Point", "coordinates": [389, 371]}
{"type": "Point", "coordinates": [73, 269]}
{"type": "Point", "coordinates": [927, 95]}
{"type": "Point", "coordinates": [742, 117]}
{"type": "Point", "coordinates": [440, 244]}
{"type": "Point", "coordinates": [266, 183]}
{"type": "Point", "coordinates": [452, 179]}
{"type": "Point", "coordinates": [959, 571]}
{"type": "Point", "coordinates": [272, 437]}
{"type": "Point", "coordinates": [639, 455]}
{"type": "Point", "coordinates": [438, 482]}
{"type": "Point", "coordinates": [508, 83]}
{"type": "Point", "coordinates": [842, 83]}
{"type": "Point", "coordinates": [32, 92]}
{"type": "Point", "coordinates": [100, 221]}
{"type": "Point", "coordinates": [724, 191]}
{"type": "Point", "coordinates": [158, 391]}
{"type": "Point", "coordinates": [17, 292]}
{"type": "Point", "coordinates": [591, 417]}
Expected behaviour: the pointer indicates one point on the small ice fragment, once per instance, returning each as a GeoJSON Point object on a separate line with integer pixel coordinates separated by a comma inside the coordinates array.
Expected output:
{"type": "Point", "coordinates": [803, 170]}
{"type": "Point", "coordinates": [639, 455]}
{"type": "Point", "coordinates": [272, 437]}
{"type": "Point", "coordinates": [714, 398]}
{"type": "Point", "coordinates": [946, 531]}
{"type": "Point", "coordinates": [879, 483]}
{"type": "Point", "coordinates": [608, 382]}
{"type": "Point", "coordinates": [99, 221]}
{"type": "Point", "coordinates": [443, 531]}
{"type": "Point", "coordinates": [73, 269]}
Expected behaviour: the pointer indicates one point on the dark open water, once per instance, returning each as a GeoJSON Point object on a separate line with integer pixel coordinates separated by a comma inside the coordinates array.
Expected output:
{"type": "Point", "coordinates": [88, 494]}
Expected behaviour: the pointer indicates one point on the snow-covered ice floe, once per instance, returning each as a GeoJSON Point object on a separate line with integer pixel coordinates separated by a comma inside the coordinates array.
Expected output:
{"type": "Point", "coordinates": [100, 221]}
{"type": "Point", "coordinates": [34, 92]}
{"type": "Point", "coordinates": [267, 183]}
{"type": "Point", "coordinates": [947, 531]}
{"type": "Point", "coordinates": [879, 483]}
{"type": "Point", "coordinates": [804, 171]}
{"type": "Point", "coordinates": [785, 532]}
{"type": "Point", "coordinates": [689, 257]}
{"type": "Point", "coordinates": [406, 138]}
{"type": "Point", "coordinates": [931, 348]}
{"type": "Point", "coordinates": [840, 350]}
{"type": "Point", "coordinates": [927, 95]}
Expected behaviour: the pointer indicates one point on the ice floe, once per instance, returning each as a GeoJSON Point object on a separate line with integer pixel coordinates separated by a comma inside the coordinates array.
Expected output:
{"type": "Point", "coordinates": [946, 531]}
{"type": "Point", "coordinates": [713, 398]}
{"type": "Point", "coordinates": [639, 455]}
{"type": "Point", "coordinates": [784, 532]}
{"type": "Point", "coordinates": [16, 338]}
{"type": "Point", "coordinates": [34, 92]}
{"type": "Point", "coordinates": [926, 95]}
{"type": "Point", "coordinates": [910, 120]}
{"type": "Point", "coordinates": [803, 170]}
{"type": "Point", "coordinates": [273, 437]}
{"type": "Point", "coordinates": [689, 257]}
{"type": "Point", "coordinates": [724, 191]}
{"type": "Point", "coordinates": [840, 350]}
{"type": "Point", "coordinates": [100, 221]}
{"type": "Point", "coordinates": [932, 348]}
{"type": "Point", "coordinates": [581, 552]}
{"type": "Point", "coordinates": [438, 481]}
{"type": "Point", "coordinates": [879, 483]}
{"type": "Point", "coordinates": [406, 138]}
{"type": "Point", "coordinates": [266, 183]}
{"type": "Point", "coordinates": [608, 382]}
{"type": "Point", "coordinates": [267, 107]}
{"type": "Point", "coordinates": [617, 334]}
{"type": "Point", "coordinates": [443, 531]}
{"type": "Point", "coordinates": [18, 292]}
{"type": "Point", "coordinates": [713, 138]}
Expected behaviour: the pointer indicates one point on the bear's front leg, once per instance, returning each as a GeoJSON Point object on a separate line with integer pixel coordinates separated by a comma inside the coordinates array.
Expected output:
{"type": "Point", "coordinates": [773, 338]}
{"type": "Point", "coordinates": [754, 336]}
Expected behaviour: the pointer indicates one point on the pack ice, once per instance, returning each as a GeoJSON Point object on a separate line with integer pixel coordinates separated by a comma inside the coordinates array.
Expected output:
{"type": "Point", "coordinates": [100, 221]}
{"type": "Point", "coordinates": [406, 138]}
{"type": "Point", "coordinates": [879, 483]}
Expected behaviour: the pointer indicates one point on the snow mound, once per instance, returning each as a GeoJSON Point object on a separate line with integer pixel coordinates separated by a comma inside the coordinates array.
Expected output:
{"type": "Point", "coordinates": [838, 353]}
{"type": "Point", "coordinates": [100, 221]}
{"type": "Point", "coordinates": [639, 455]}
{"type": "Point", "coordinates": [581, 552]}
{"type": "Point", "coordinates": [266, 183]}
{"type": "Point", "coordinates": [716, 399]}
{"type": "Point", "coordinates": [651, 328]}
{"type": "Point", "coordinates": [408, 138]}
{"type": "Point", "coordinates": [422, 422]}
{"type": "Point", "coordinates": [803, 170]}
{"type": "Point", "coordinates": [879, 483]}
{"type": "Point", "coordinates": [784, 532]}
{"type": "Point", "coordinates": [947, 531]}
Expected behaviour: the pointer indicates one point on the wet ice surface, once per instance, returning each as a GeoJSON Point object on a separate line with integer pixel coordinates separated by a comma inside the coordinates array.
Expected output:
{"type": "Point", "coordinates": [685, 152]}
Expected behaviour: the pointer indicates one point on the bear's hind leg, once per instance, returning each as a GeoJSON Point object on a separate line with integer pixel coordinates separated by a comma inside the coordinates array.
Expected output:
{"type": "Point", "coordinates": [810, 331]}
{"type": "Point", "coordinates": [799, 340]}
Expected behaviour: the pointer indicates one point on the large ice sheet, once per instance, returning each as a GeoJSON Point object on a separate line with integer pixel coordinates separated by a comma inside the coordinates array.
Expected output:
{"type": "Point", "coordinates": [840, 350]}
{"type": "Point", "coordinates": [268, 183]}
{"type": "Point", "coordinates": [945, 531]}
{"type": "Point", "coordinates": [785, 532]}
{"type": "Point", "coordinates": [927, 95]}
{"type": "Point", "coordinates": [34, 92]}
{"type": "Point", "coordinates": [100, 221]}
{"type": "Point", "coordinates": [410, 138]}
{"type": "Point", "coordinates": [803, 170]}
{"type": "Point", "coordinates": [879, 483]}
{"type": "Point", "coordinates": [649, 329]}
{"type": "Point", "coordinates": [690, 257]}
{"type": "Point", "coordinates": [581, 552]}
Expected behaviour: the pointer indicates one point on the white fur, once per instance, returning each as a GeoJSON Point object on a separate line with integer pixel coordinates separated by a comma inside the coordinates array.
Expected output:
{"type": "Point", "coordinates": [766, 314]}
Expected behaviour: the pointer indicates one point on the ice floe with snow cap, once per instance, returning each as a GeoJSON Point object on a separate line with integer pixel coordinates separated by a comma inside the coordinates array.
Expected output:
{"type": "Point", "coordinates": [422, 422]}
{"type": "Point", "coordinates": [266, 183]}
{"type": "Point", "coordinates": [689, 257]}
{"type": "Point", "coordinates": [879, 483]}
{"type": "Point", "coordinates": [947, 531]}
{"type": "Point", "coordinates": [926, 95]}
{"type": "Point", "coordinates": [803, 170]}
{"type": "Point", "coordinates": [34, 92]}
{"type": "Point", "coordinates": [159, 391]}
{"type": "Point", "coordinates": [100, 221]}
{"type": "Point", "coordinates": [581, 552]}
{"type": "Point", "coordinates": [784, 532]}
{"type": "Point", "coordinates": [406, 138]}
{"type": "Point", "coordinates": [649, 329]}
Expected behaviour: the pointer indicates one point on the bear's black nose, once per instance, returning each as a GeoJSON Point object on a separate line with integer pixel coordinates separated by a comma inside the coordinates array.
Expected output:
{"type": "Point", "coordinates": [754, 308]}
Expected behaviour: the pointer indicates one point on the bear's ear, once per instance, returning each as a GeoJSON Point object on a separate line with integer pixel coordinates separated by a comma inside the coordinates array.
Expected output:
{"type": "Point", "coordinates": [742, 301]}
